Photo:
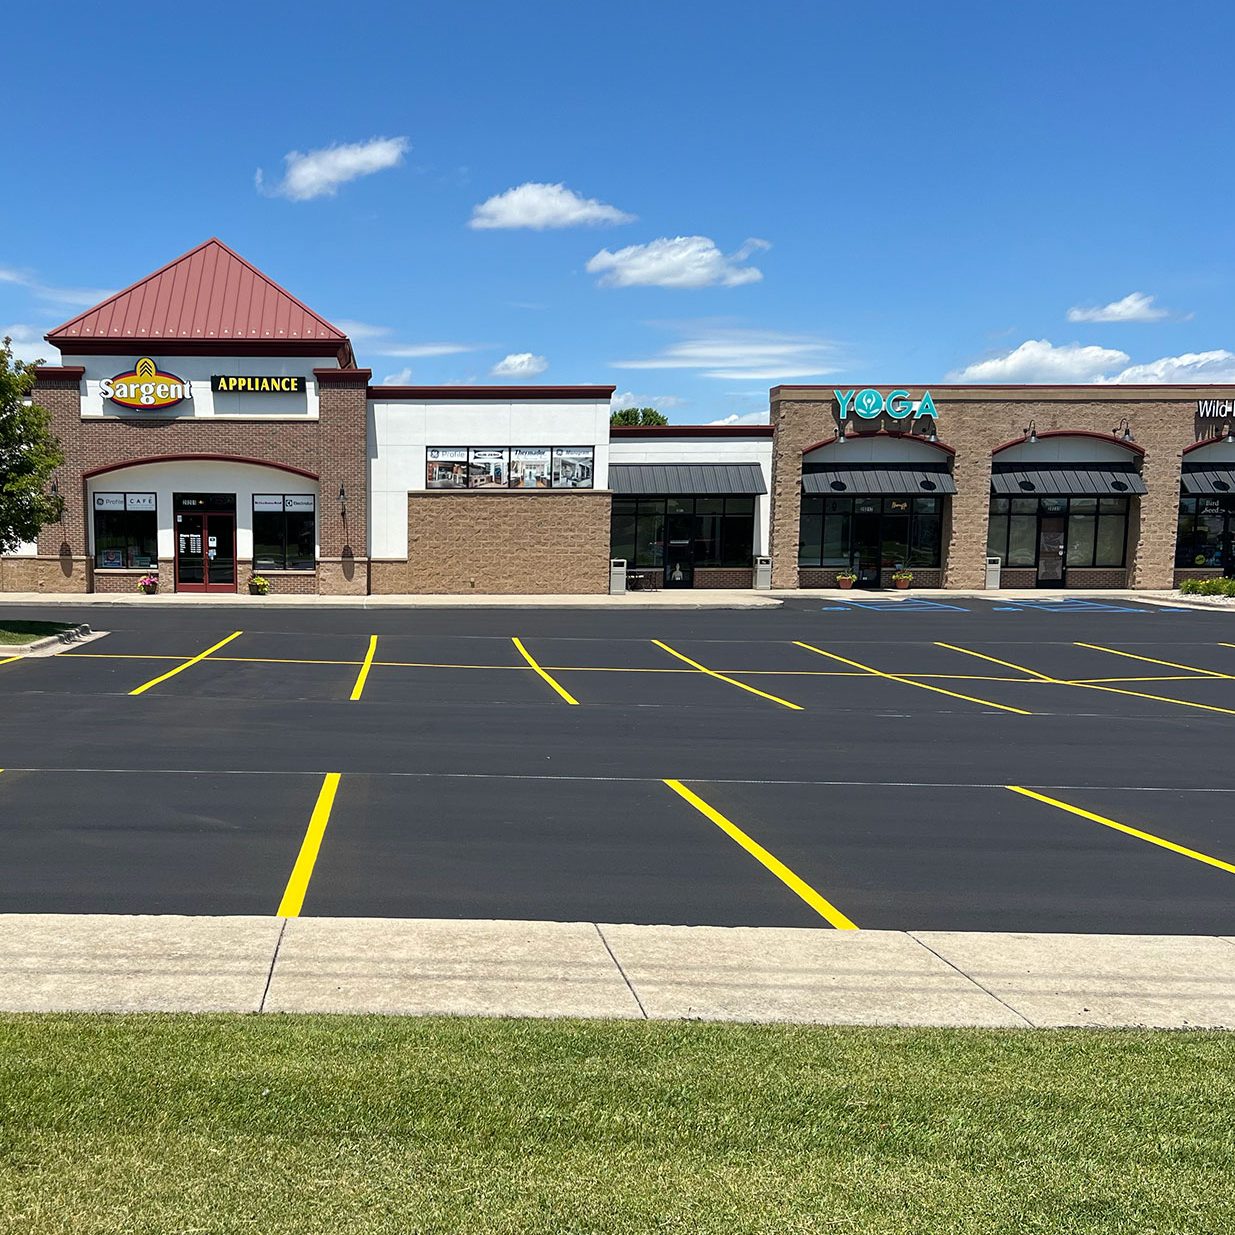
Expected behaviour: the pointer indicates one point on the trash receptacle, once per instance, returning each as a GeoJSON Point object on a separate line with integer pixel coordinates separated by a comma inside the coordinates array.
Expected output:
{"type": "Point", "coordinates": [617, 576]}
{"type": "Point", "coordinates": [763, 573]}
{"type": "Point", "coordinates": [994, 568]}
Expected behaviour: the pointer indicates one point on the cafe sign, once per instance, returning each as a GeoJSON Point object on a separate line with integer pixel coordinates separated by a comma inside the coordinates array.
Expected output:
{"type": "Point", "coordinates": [1215, 409]}
{"type": "Point", "coordinates": [145, 388]}
{"type": "Point", "coordinates": [870, 404]}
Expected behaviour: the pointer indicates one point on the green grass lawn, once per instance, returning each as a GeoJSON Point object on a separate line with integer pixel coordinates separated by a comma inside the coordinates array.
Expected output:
{"type": "Point", "coordinates": [13, 631]}
{"type": "Point", "coordinates": [339, 1124]}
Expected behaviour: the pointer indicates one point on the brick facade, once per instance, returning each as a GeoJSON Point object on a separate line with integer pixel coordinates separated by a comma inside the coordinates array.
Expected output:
{"type": "Point", "coordinates": [331, 448]}
{"type": "Point", "coordinates": [506, 543]}
{"type": "Point", "coordinates": [974, 421]}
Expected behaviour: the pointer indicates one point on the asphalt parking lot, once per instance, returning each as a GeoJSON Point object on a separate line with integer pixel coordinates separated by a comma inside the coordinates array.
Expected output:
{"type": "Point", "coordinates": [1014, 766]}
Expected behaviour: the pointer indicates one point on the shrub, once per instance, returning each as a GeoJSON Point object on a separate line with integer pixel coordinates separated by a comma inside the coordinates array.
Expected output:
{"type": "Point", "coordinates": [1208, 587]}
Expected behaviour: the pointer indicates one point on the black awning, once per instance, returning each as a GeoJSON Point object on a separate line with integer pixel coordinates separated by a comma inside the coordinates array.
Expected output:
{"type": "Point", "coordinates": [653, 479]}
{"type": "Point", "coordinates": [1215, 480]}
{"type": "Point", "coordinates": [1067, 482]}
{"type": "Point", "coordinates": [869, 480]}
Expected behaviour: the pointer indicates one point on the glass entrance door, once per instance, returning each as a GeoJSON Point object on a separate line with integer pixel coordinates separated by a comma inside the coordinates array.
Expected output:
{"type": "Point", "coordinates": [867, 546]}
{"type": "Point", "coordinates": [206, 552]}
{"type": "Point", "coordinates": [679, 550]}
{"type": "Point", "coordinates": [1052, 537]}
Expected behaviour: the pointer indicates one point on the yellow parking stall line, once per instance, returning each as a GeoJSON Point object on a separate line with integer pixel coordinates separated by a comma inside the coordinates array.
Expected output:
{"type": "Point", "coordinates": [1161, 841]}
{"type": "Point", "coordinates": [1113, 690]}
{"type": "Point", "coordinates": [122, 656]}
{"type": "Point", "coordinates": [1153, 660]}
{"type": "Point", "coordinates": [821, 905]}
{"type": "Point", "coordinates": [721, 677]}
{"type": "Point", "coordinates": [363, 675]}
{"type": "Point", "coordinates": [280, 660]}
{"type": "Point", "coordinates": [893, 677]}
{"type": "Point", "coordinates": [171, 673]}
{"type": "Point", "coordinates": [1163, 677]}
{"type": "Point", "coordinates": [298, 882]}
{"type": "Point", "coordinates": [543, 673]}
{"type": "Point", "coordinates": [8, 660]}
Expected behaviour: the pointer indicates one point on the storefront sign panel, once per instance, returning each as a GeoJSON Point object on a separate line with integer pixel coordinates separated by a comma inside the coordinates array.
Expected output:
{"type": "Point", "coordinates": [145, 388]}
{"type": "Point", "coordinates": [248, 384]}
{"type": "Point", "coordinates": [870, 403]}
{"type": "Point", "coordinates": [446, 467]}
{"type": "Point", "coordinates": [529, 467]}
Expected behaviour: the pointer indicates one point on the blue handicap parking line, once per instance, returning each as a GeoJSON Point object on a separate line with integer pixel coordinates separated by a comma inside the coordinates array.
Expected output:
{"type": "Point", "coordinates": [894, 606]}
{"type": "Point", "coordinates": [1066, 606]}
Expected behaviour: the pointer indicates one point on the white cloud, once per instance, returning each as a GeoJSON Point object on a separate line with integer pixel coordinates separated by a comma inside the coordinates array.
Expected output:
{"type": "Point", "coordinates": [628, 398]}
{"type": "Point", "coordinates": [520, 364]}
{"type": "Point", "coordinates": [413, 351]}
{"type": "Point", "coordinates": [1216, 366]}
{"type": "Point", "coordinates": [319, 173]}
{"type": "Point", "coordinates": [28, 344]}
{"type": "Point", "coordinates": [742, 418]}
{"type": "Point", "coordinates": [402, 378]}
{"type": "Point", "coordinates": [541, 206]}
{"type": "Point", "coordinates": [1134, 307]}
{"type": "Point", "coordinates": [74, 297]}
{"type": "Point", "coordinates": [745, 355]}
{"type": "Point", "coordinates": [1039, 360]}
{"type": "Point", "coordinates": [362, 330]}
{"type": "Point", "coordinates": [680, 261]}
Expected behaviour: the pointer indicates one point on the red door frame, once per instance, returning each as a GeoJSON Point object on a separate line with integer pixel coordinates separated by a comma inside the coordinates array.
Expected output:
{"type": "Point", "coordinates": [205, 585]}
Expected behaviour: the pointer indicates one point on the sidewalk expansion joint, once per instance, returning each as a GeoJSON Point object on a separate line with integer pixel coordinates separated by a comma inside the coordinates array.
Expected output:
{"type": "Point", "coordinates": [970, 978]}
{"type": "Point", "coordinates": [629, 985]}
{"type": "Point", "coordinates": [274, 959]}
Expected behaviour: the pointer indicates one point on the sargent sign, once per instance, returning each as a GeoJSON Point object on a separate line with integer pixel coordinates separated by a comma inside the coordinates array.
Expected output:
{"type": "Point", "coordinates": [145, 388]}
{"type": "Point", "coordinates": [250, 385]}
{"type": "Point", "coordinates": [870, 403]}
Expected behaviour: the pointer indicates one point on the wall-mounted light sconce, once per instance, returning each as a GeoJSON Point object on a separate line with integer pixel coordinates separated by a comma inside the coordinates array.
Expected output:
{"type": "Point", "coordinates": [840, 437]}
{"type": "Point", "coordinates": [931, 434]}
{"type": "Point", "coordinates": [342, 500]}
{"type": "Point", "coordinates": [1123, 430]}
{"type": "Point", "coordinates": [1031, 433]}
{"type": "Point", "coordinates": [55, 497]}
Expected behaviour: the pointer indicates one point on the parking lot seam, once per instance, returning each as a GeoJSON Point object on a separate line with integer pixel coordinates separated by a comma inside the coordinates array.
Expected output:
{"type": "Point", "coordinates": [629, 985]}
{"type": "Point", "coordinates": [278, 943]}
{"type": "Point", "coordinates": [1160, 841]}
{"type": "Point", "coordinates": [366, 665]}
{"type": "Point", "coordinates": [720, 677]}
{"type": "Point", "coordinates": [193, 660]}
{"type": "Point", "coordinates": [986, 990]}
{"type": "Point", "coordinates": [892, 677]}
{"type": "Point", "coordinates": [542, 673]}
{"type": "Point", "coordinates": [819, 903]}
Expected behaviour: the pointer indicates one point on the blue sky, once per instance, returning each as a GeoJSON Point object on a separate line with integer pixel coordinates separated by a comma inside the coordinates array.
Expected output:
{"type": "Point", "coordinates": [799, 192]}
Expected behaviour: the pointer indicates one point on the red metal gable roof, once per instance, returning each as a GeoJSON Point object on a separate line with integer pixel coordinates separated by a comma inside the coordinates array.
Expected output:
{"type": "Point", "coordinates": [207, 297]}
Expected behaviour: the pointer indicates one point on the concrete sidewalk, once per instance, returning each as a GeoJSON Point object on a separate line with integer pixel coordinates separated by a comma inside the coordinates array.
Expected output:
{"type": "Point", "coordinates": [106, 963]}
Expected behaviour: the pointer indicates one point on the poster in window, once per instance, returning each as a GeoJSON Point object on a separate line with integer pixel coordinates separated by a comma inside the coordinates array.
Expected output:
{"type": "Point", "coordinates": [487, 467]}
{"type": "Point", "coordinates": [109, 501]}
{"type": "Point", "coordinates": [298, 503]}
{"type": "Point", "coordinates": [572, 467]}
{"type": "Point", "coordinates": [111, 559]}
{"type": "Point", "coordinates": [446, 467]}
{"type": "Point", "coordinates": [139, 501]}
{"type": "Point", "coordinates": [529, 467]}
{"type": "Point", "coordinates": [266, 502]}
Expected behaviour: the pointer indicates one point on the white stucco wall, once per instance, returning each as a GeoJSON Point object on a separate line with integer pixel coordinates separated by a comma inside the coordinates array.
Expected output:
{"type": "Point", "coordinates": [197, 370]}
{"type": "Point", "coordinates": [400, 430]}
{"type": "Point", "coordinates": [670, 449]}
{"type": "Point", "coordinates": [207, 476]}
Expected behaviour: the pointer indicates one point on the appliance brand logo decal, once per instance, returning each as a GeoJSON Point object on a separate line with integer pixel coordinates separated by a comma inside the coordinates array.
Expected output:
{"type": "Point", "coordinates": [144, 388]}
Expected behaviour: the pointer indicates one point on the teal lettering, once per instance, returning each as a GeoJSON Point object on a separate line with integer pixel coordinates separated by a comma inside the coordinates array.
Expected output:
{"type": "Point", "coordinates": [899, 405]}
{"type": "Point", "coordinates": [926, 407]}
{"type": "Point", "coordinates": [868, 404]}
{"type": "Point", "coordinates": [844, 398]}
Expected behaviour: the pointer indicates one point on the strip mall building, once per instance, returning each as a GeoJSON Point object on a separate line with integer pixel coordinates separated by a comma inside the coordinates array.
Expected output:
{"type": "Point", "coordinates": [215, 426]}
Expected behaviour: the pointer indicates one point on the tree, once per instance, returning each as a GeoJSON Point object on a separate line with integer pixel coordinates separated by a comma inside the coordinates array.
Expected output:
{"type": "Point", "coordinates": [638, 416]}
{"type": "Point", "coordinates": [29, 454]}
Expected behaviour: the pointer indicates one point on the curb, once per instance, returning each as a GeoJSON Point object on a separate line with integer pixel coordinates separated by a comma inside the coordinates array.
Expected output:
{"type": "Point", "coordinates": [65, 637]}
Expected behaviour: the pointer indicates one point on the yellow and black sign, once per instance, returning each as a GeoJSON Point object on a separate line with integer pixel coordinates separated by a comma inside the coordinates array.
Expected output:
{"type": "Point", "coordinates": [247, 385]}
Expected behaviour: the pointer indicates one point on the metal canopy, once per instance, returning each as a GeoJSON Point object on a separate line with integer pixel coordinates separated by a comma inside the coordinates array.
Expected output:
{"type": "Point", "coordinates": [653, 479]}
{"type": "Point", "coordinates": [1219, 481]}
{"type": "Point", "coordinates": [1067, 482]}
{"type": "Point", "coordinates": [871, 480]}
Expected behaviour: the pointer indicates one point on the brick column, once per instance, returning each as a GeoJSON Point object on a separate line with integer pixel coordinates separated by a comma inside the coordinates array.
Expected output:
{"type": "Point", "coordinates": [63, 562]}
{"type": "Point", "coordinates": [343, 564]}
{"type": "Point", "coordinates": [801, 418]}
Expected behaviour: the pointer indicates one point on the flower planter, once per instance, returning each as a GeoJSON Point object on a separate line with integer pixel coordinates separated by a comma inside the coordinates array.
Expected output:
{"type": "Point", "coordinates": [844, 584]}
{"type": "Point", "coordinates": [902, 584]}
{"type": "Point", "coordinates": [254, 590]}
{"type": "Point", "coordinates": [150, 591]}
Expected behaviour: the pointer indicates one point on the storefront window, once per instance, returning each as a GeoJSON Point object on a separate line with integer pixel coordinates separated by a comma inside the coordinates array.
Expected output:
{"type": "Point", "coordinates": [1204, 524]}
{"type": "Point", "coordinates": [1097, 529]}
{"type": "Point", "coordinates": [284, 531]}
{"type": "Point", "coordinates": [126, 531]}
{"type": "Point", "coordinates": [723, 529]}
{"type": "Point", "coordinates": [514, 467]}
{"type": "Point", "coordinates": [908, 530]}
